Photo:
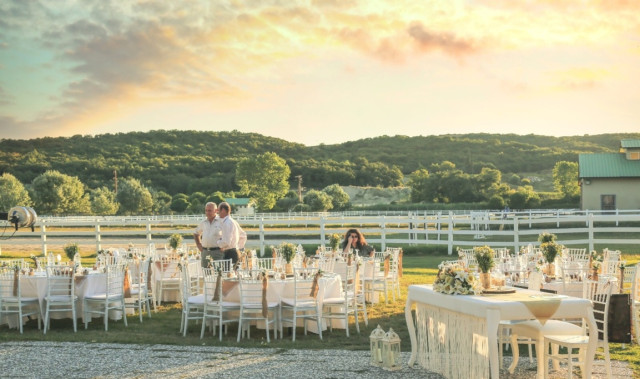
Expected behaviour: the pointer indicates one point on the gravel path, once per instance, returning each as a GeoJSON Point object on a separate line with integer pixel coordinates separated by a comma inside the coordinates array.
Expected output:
{"type": "Point", "coordinates": [98, 360]}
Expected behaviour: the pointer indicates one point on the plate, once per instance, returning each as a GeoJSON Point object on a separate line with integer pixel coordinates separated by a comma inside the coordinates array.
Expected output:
{"type": "Point", "coordinates": [499, 290]}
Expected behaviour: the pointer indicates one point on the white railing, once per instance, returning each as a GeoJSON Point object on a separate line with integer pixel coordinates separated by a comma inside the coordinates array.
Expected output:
{"type": "Point", "coordinates": [450, 229]}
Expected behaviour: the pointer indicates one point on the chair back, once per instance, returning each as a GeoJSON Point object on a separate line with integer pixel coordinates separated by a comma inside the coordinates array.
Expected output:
{"type": "Point", "coordinates": [599, 293]}
{"type": "Point", "coordinates": [628, 277]}
{"type": "Point", "coordinates": [115, 280]}
{"type": "Point", "coordinates": [573, 272]}
{"type": "Point", "coordinates": [327, 264]}
{"type": "Point", "coordinates": [611, 268]}
{"type": "Point", "coordinates": [210, 278]}
{"type": "Point", "coordinates": [190, 279]}
{"type": "Point", "coordinates": [12, 263]}
{"type": "Point", "coordinates": [224, 265]}
{"type": "Point", "coordinates": [575, 254]}
{"type": "Point", "coordinates": [611, 255]}
{"type": "Point", "coordinates": [60, 281]}
{"type": "Point", "coordinates": [9, 285]}
{"type": "Point", "coordinates": [264, 264]}
{"type": "Point", "coordinates": [138, 271]}
{"type": "Point", "coordinates": [250, 283]}
{"type": "Point", "coordinates": [303, 282]}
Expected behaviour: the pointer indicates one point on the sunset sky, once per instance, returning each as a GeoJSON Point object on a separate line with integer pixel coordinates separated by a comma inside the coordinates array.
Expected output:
{"type": "Point", "coordinates": [319, 71]}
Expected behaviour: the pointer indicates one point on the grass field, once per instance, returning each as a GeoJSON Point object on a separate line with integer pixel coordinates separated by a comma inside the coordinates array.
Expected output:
{"type": "Point", "coordinates": [163, 327]}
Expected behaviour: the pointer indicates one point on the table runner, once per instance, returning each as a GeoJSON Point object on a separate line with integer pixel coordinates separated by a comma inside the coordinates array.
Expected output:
{"type": "Point", "coordinates": [542, 306]}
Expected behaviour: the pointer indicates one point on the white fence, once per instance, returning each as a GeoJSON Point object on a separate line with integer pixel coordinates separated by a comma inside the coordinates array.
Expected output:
{"type": "Point", "coordinates": [448, 230]}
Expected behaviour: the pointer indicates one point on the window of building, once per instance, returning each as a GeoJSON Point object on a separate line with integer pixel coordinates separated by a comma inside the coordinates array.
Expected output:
{"type": "Point", "coordinates": [608, 202]}
{"type": "Point", "coordinates": [633, 155]}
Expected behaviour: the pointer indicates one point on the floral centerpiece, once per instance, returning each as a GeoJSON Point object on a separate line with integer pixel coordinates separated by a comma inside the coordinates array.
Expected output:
{"type": "Point", "coordinates": [453, 279]}
{"type": "Point", "coordinates": [334, 241]}
{"type": "Point", "coordinates": [550, 250]}
{"type": "Point", "coordinates": [71, 250]}
{"type": "Point", "coordinates": [288, 251]}
{"type": "Point", "coordinates": [175, 240]}
{"type": "Point", "coordinates": [484, 256]}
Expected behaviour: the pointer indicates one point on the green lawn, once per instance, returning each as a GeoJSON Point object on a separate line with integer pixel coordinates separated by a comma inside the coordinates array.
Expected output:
{"type": "Point", "coordinates": [163, 327]}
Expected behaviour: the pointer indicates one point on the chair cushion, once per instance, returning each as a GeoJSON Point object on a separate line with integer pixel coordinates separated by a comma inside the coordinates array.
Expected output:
{"type": "Point", "coordinates": [333, 300]}
{"type": "Point", "coordinates": [534, 328]}
{"type": "Point", "coordinates": [103, 296]}
{"type": "Point", "coordinates": [299, 303]}
{"type": "Point", "coordinates": [197, 299]}
{"type": "Point", "coordinates": [61, 298]}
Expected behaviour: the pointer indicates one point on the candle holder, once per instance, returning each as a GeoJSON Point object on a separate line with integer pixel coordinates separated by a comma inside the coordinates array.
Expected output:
{"type": "Point", "coordinates": [391, 351]}
{"type": "Point", "coordinates": [375, 344]}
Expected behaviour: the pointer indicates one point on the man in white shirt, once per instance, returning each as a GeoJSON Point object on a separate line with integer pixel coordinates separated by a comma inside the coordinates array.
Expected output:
{"type": "Point", "coordinates": [207, 234]}
{"type": "Point", "coordinates": [233, 237]}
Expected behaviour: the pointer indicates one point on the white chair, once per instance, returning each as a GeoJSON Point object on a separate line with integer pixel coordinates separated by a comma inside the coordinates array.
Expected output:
{"type": "Point", "coordinates": [192, 297]}
{"type": "Point", "coordinates": [13, 263]}
{"type": "Point", "coordinates": [224, 265]}
{"type": "Point", "coordinates": [393, 276]}
{"type": "Point", "coordinates": [140, 296]}
{"type": "Point", "coordinates": [264, 264]}
{"type": "Point", "coordinates": [374, 278]}
{"type": "Point", "coordinates": [169, 276]}
{"type": "Point", "coordinates": [341, 308]}
{"type": "Point", "coordinates": [12, 303]}
{"type": "Point", "coordinates": [628, 277]}
{"type": "Point", "coordinates": [61, 296]}
{"type": "Point", "coordinates": [253, 305]}
{"type": "Point", "coordinates": [575, 254]}
{"type": "Point", "coordinates": [111, 299]}
{"type": "Point", "coordinates": [302, 305]}
{"type": "Point", "coordinates": [214, 305]}
{"type": "Point", "coordinates": [599, 294]}
{"type": "Point", "coordinates": [635, 304]}
{"type": "Point", "coordinates": [573, 271]}
{"type": "Point", "coordinates": [611, 255]}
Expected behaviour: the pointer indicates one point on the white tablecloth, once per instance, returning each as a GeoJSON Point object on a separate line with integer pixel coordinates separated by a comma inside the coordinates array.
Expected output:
{"type": "Point", "coordinates": [457, 334]}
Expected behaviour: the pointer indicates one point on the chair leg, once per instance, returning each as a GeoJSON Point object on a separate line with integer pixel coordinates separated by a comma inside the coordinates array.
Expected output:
{"type": "Point", "coordinates": [515, 351]}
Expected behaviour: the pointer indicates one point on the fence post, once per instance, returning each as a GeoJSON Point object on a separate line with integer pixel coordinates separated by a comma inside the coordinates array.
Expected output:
{"type": "Point", "coordinates": [383, 235]}
{"type": "Point", "coordinates": [322, 232]}
{"type": "Point", "coordinates": [590, 220]}
{"type": "Point", "coordinates": [450, 234]}
{"type": "Point", "coordinates": [149, 236]}
{"type": "Point", "coordinates": [98, 237]}
{"type": "Point", "coordinates": [516, 235]}
{"type": "Point", "coordinates": [438, 224]}
{"type": "Point", "coordinates": [262, 236]}
{"type": "Point", "coordinates": [43, 229]}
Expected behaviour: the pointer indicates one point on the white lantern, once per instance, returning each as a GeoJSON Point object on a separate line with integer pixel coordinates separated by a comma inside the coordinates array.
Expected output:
{"type": "Point", "coordinates": [391, 351]}
{"type": "Point", "coordinates": [375, 342]}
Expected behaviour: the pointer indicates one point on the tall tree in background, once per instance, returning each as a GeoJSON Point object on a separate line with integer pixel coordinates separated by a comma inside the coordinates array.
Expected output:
{"type": "Point", "coordinates": [265, 178]}
{"type": "Point", "coordinates": [134, 198]}
{"type": "Point", "coordinates": [12, 193]}
{"type": "Point", "coordinates": [103, 202]}
{"type": "Point", "coordinates": [565, 178]}
{"type": "Point", "coordinates": [339, 198]}
{"type": "Point", "coordinates": [55, 193]}
{"type": "Point", "coordinates": [318, 201]}
{"type": "Point", "coordinates": [419, 183]}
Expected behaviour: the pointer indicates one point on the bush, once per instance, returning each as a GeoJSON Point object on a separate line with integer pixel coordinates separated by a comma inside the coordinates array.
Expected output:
{"type": "Point", "coordinates": [71, 250]}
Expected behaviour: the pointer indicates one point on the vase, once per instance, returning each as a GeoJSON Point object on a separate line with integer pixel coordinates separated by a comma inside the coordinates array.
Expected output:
{"type": "Point", "coordinates": [485, 280]}
{"type": "Point", "coordinates": [594, 276]}
{"type": "Point", "coordinates": [551, 270]}
{"type": "Point", "coordinates": [288, 268]}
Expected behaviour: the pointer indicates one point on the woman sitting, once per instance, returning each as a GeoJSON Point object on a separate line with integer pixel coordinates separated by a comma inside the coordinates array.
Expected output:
{"type": "Point", "coordinates": [353, 239]}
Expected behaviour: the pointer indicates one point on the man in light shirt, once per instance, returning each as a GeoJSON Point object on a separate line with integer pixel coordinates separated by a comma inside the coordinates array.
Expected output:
{"type": "Point", "coordinates": [233, 237]}
{"type": "Point", "coordinates": [207, 234]}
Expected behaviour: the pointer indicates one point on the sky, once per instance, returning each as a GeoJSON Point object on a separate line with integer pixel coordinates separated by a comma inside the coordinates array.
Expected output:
{"type": "Point", "coordinates": [319, 71]}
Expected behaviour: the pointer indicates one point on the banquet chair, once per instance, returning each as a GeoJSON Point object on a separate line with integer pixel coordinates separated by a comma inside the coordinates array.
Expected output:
{"type": "Point", "coordinates": [111, 299]}
{"type": "Point", "coordinates": [611, 268]}
{"type": "Point", "coordinates": [140, 296]}
{"type": "Point", "coordinates": [393, 276]}
{"type": "Point", "coordinates": [600, 296]}
{"type": "Point", "coordinates": [61, 296]}
{"type": "Point", "coordinates": [169, 276]}
{"type": "Point", "coordinates": [13, 263]}
{"type": "Point", "coordinates": [214, 306]}
{"type": "Point", "coordinates": [627, 278]}
{"type": "Point", "coordinates": [342, 307]}
{"type": "Point", "coordinates": [224, 265]}
{"type": "Point", "coordinates": [302, 305]}
{"type": "Point", "coordinates": [576, 254]}
{"type": "Point", "coordinates": [12, 303]}
{"type": "Point", "coordinates": [573, 272]}
{"type": "Point", "coordinates": [264, 264]}
{"type": "Point", "coordinates": [611, 255]}
{"type": "Point", "coordinates": [253, 304]}
{"type": "Point", "coordinates": [192, 297]}
{"type": "Point", "coordinates": [327, 264]}
{"type": "Point", "coordinates": [557, 329]}
{"type": "Point", "coordinates": [373, 278]}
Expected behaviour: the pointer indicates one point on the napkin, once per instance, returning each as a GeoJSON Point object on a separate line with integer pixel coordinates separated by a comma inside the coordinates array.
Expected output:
{"type": "Point", "coordinates": [265, 306]}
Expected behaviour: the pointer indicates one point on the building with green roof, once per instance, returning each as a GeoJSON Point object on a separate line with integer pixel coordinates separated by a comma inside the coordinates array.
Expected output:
{"type": "Point", "coordinates": [611, 181]}
{"type": "Point", "coordinates": [242, 206]}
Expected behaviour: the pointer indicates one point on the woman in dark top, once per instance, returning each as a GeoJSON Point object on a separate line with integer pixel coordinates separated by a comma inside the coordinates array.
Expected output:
{"type": "Point", "coordinates": [353, 239]}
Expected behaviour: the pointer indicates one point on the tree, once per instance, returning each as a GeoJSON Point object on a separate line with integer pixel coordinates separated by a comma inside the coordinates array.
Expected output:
{"type": "Point", "coordinates": [565, 179]}
{"type": "Point", "coordinates": [216, 197]}
{"type": "Point", "coordinates": [161, 202]}
{"type": "Point", "coordinates": [58, 194]}
{"type": "Point", "coordinates": [134, 198]}
{"type": "Point", "coordinates": [339, 198]}
{"type": "Point", "coordinates": [318, 201]}
{"type": "Point", "coordinates": [179, 203]}
{"type": "Point", "coordinates": [12, 193]}
{"type": "Point", "coordinates": [496, 202]}
{"type": "Point", "coordinates": [524, 197]}
{"type": "Point", "coordinates": [486, 181]}
{"type": "Point", "coordinates": [103, 202]}
{"type": "Point", "coordinates": [419, 183]}
{"type": "Point", "coordinates": [196, 202]}
{"type": "Point", "coordinates": [265, 178]}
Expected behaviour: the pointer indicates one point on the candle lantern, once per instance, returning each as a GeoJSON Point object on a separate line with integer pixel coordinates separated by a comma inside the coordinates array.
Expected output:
{"type": "Point", "coordinates": [375, 343]}
{"type": "Point", "coordinates": [391, 351]}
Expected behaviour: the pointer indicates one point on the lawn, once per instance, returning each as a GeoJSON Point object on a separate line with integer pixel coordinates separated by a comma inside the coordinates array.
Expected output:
{"type": "Point", "coordinates": [163, 327]}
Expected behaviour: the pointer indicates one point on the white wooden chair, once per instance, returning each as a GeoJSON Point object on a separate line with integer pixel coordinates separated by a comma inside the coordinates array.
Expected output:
{"type": "Point", "coordinates": [61, 296]}
{"type": "Point", "coordinates": [170, 278]}
{"type": "Point", "coordinates": [374, 279]}
{"type": "Point", "coordinates": [111, 299]}
{"type": "Point", "coordinates": [215, 306]}
{"type": "Point", "coordinates": [192, 297]}
{"type": "Point", "coordinates": [140, 296]}
{"type": "Point", "coordinates": [575, 254]}
{"type": "Point", "coordinates": [251, 304]}
{"type": "Point", "coordinates": [342, 307]}
{"type": "Point", "coordinates": [12, 303]}
{"type": "Point", "coordinates": [302, 305]}
{"type": "Point", "coordinates": [599, 295]}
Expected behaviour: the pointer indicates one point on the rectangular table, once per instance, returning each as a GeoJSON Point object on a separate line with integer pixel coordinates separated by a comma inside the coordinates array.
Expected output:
{"type": "Point", "coordinates": [457, 334]}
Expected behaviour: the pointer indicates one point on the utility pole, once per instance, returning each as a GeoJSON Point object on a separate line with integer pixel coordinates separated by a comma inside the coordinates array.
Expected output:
{"type": "Point", "coordinates": [299, 187]}
{"type": "Point", "coordinates": [115, 180]}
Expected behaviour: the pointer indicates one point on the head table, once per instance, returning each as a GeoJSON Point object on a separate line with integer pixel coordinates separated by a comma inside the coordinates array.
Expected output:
{"type": "Point", "coordinates": [457, 334]}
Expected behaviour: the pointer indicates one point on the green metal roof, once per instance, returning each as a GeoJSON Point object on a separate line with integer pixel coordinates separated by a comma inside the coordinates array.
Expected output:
{"type": "Point", "coordinates": [630, 143]}
{"type": "Point", "coordinates": [607, 165]}
{"type": "Point", "coordinates": [238, 201]}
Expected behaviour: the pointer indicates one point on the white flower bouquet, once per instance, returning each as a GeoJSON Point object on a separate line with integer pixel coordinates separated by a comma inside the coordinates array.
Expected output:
{"type": "Point", "coordinates": [453, 279]}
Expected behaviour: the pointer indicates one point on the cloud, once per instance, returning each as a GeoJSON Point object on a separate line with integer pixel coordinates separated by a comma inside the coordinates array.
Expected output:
{"type": "Point", "coordinates": [447, 42]}
{"type": "Point", "coordinates": [579, 78]}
